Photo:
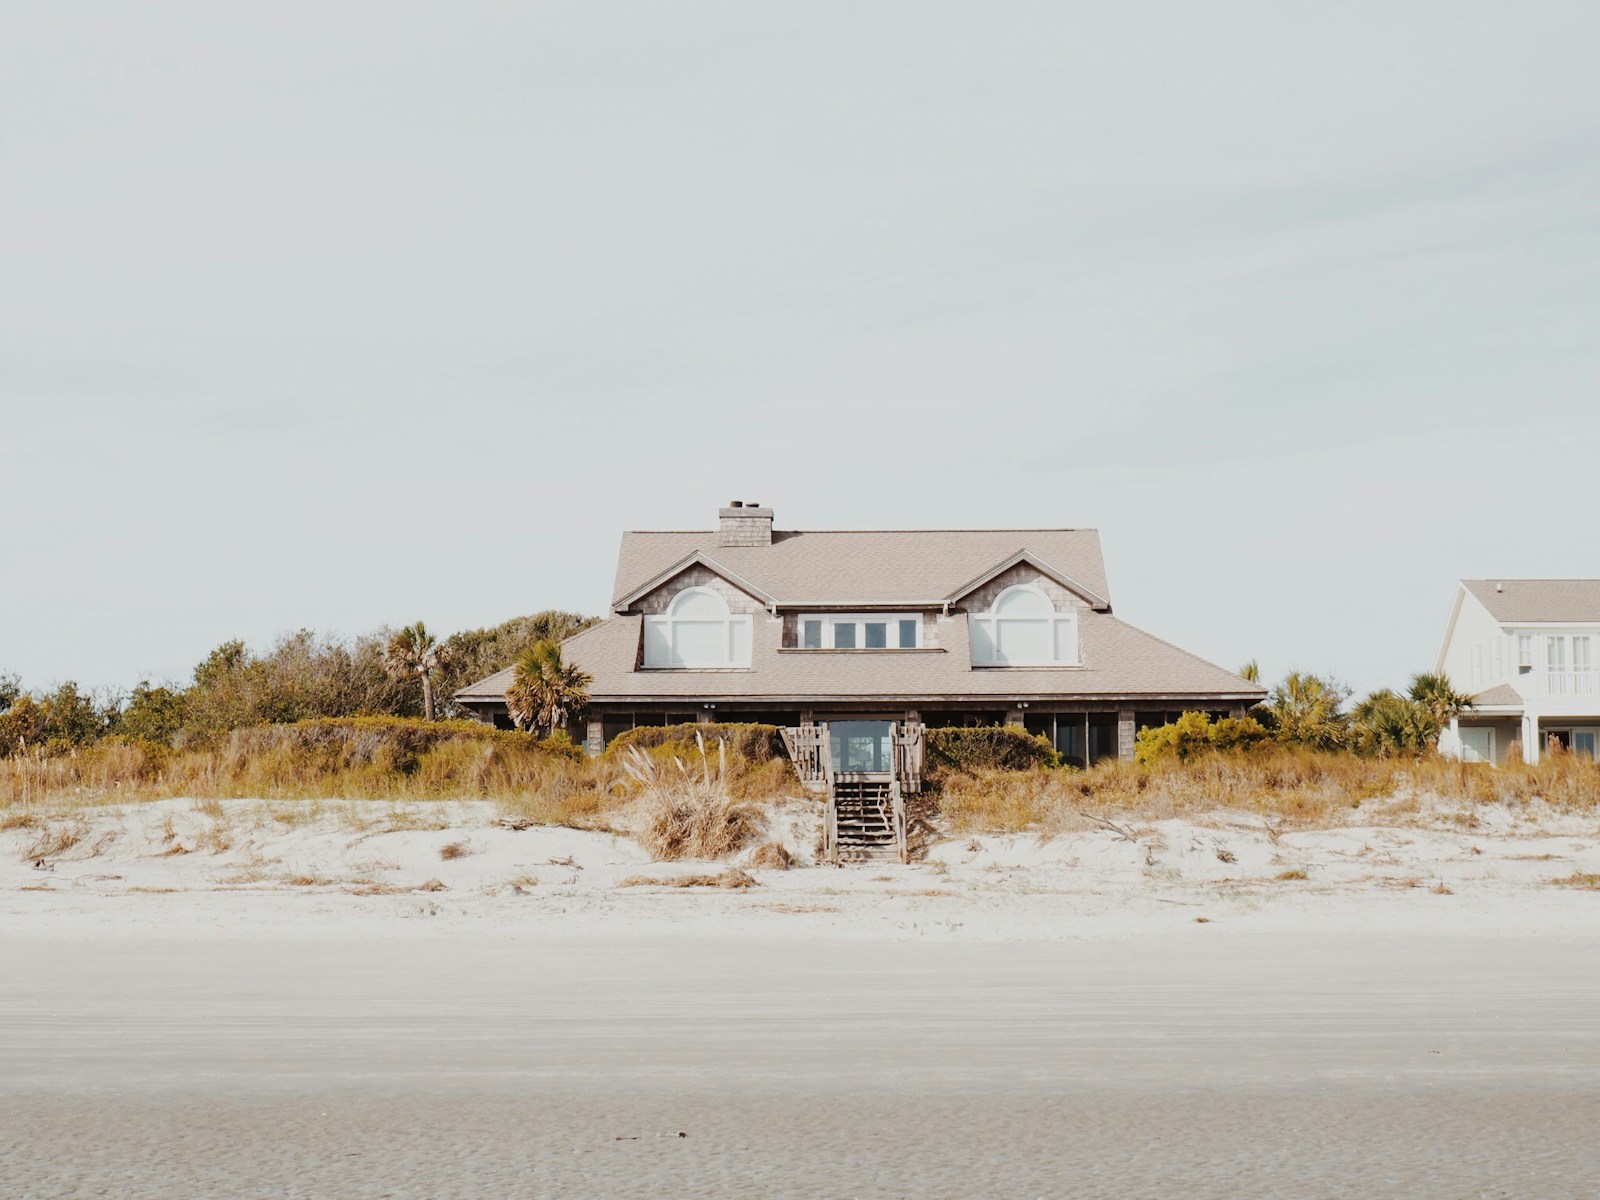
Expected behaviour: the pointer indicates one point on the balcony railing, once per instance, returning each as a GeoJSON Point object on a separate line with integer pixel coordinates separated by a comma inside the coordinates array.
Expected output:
{"type": "Point", "coordinates": [1569, 683]}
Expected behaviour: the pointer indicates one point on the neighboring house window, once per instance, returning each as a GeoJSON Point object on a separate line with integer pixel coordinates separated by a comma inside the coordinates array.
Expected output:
{"type": "Point", "coordinates": [1525, 651]}
{"type": "Point", "coordinates": [1477, 745]}
{"type": "Point", "coordinates": [1023, 629]}
{"type": "Point", "coordinates": [855, 631]}
{"type": "Point", "coordinates": [697, 630]}
{"type": "Point", "coordinates": [1582, 679]}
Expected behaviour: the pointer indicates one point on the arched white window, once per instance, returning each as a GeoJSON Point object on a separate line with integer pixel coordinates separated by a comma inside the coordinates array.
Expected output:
{"type": "Point", "coordinates": [697, 630]}
{"type": "Point", "coordinates": [1023, 629]}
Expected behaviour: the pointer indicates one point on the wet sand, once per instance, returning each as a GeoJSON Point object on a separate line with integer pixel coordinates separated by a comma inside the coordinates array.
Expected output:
{"type": "Point", "coordinates": [1212, 1064]}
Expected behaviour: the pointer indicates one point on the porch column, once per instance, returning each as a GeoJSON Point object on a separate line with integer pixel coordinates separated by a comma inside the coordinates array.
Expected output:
{"type": "Point", "coordinates": [705, 717]}
{"type": "Point", "coordinates": [1237, 712]}
{"type": "Point", "coordinates": [1125, 735]}
{"type": "Point", "coordinates": [594, 740]}
{"type": "Point", "coordinates": [1014, 716]}
{"type": "Point", "coordinates": [1532, 751]}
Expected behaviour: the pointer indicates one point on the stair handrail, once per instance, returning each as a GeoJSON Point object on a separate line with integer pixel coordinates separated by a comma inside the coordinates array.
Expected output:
{"type": "Point", "coordinates": [830, 812]}
{"type": "Point", "coordinates": [898, 808]}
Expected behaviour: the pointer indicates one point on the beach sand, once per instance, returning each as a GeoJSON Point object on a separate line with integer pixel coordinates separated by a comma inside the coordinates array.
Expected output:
{"type": "Point", "coordinates": [1026, 1020]}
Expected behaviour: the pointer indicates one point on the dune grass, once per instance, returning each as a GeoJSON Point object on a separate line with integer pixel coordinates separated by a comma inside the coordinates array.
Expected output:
{"type": "Point", "coordinates": [1292, 787]}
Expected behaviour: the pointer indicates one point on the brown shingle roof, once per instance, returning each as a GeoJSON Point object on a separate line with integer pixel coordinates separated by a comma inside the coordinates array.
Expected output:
{"type": "Point", "coordinates": [1539, 600]}
{"type": "Point", "coordinates": [1500, 696]}
{"type": "Point", "coordinates": [1119, 660]}
{"type": "Point", "coordinates": [881, 566]}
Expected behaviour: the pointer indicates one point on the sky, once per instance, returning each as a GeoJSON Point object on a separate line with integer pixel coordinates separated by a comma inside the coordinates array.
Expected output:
{"type": "Point", "coordinates": [338, 315]}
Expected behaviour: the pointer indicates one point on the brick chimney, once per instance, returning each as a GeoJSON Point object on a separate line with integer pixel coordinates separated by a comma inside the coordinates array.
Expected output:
{"type": "Point", "coordinates": [745, 523]}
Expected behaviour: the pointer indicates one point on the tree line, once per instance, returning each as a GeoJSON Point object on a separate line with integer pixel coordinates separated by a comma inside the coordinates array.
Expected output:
{"type": "Point", "coordinates": [404, 673]}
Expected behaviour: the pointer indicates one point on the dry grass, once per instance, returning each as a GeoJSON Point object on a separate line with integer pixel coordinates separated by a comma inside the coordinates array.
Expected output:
{"type": "Point", "coordinates": [1297, 873]}
{"type": "Point", "coordinates": [733, 877]}
{"type": "Point", "coordinates": [771, 856]}
{"type": "Point", "coordinates": [453, 850]}
{"type": "Point", "coordinates": [1284, 787]}
{"type": "Point", "coordinates": [55, 838]}
{"type": "Point", "coordinates": [687, 811]}
{"type": "Point", "coordinates": [1587, 881]}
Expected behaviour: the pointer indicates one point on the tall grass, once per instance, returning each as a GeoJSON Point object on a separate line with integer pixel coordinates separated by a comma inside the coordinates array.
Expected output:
{"type": "Point", "coordinates": [1303, 787]}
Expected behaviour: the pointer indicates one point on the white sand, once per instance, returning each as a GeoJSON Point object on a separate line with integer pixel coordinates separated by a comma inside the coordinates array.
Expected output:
{"type": "Point", "coordinates": [1414, 1019]}
{"type": "Point", "coordinates": [170, 869]}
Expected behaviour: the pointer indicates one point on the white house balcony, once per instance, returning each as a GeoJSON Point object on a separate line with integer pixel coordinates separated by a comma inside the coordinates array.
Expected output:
{"type": "Point", "coordinates": [1559, 685]}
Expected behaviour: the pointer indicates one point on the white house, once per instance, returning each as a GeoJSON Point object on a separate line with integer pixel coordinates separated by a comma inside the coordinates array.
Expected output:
{"type": "Point", "coordinates": [1526, 650]}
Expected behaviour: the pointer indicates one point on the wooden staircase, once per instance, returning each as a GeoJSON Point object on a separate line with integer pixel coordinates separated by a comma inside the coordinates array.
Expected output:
{"type": "Point", "coordinates": [865, 815]}
{"type": "Point", "coordinates": [864, 819]}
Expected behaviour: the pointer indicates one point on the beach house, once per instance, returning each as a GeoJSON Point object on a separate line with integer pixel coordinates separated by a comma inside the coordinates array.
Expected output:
{"type": "Point", "coordinates": [863, 628]}
{"type": "Point", "coordinates": [1525, 650]}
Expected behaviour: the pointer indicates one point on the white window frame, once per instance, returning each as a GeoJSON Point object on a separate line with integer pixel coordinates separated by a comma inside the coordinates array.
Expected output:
{"type": "Point", "coordinates": [831, 620]}
{"type": "Point", "coordinates": [990, 621]}
{"type": "Point", "coordinates": [1525, 650]}
{"type": "Point", "coordinates": [737, 632]}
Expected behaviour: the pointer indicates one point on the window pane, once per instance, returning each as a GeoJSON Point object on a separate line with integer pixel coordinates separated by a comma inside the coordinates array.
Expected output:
{"type": "Point", "coordinates": [657, 650]}
{"type": "Point", "coordinates": [1557, 650]}
{"type": "Point", "coordinates": [844, 636]}
{"type": "Point", "coordinates": [1023, 641]}
{"type": "Point", "coordinates": [811, 635]}
{"type": "Point", "coordinates": [1023, 603]}
{"type": "Point", "coordinates": [877, 635]}
{"type": "Point", "coordinates": [908, 635]}
{"type": "Point", "coordinates": [700, 643]}
{"type": "Point", "coordinates": [1476, 745]}
{"type": "Point", "coordinates": [1580, 654]}
{"type": "Point", "coordinates": [699, 604]}
{"type": "Point", "coordinates": [982, 641]}
{"type": "Point", "coordinates": [1067, 641]}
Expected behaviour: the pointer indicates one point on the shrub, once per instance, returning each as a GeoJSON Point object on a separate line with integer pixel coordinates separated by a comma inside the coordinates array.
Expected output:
{"type": "Point", "coordinates": [752, 743]}
{"type": "Point", "coordinates": [1003, 747]}
{"type": "Point", "coordinates": [1196, 733]}
{"type": "Point", "coordinates": [686, 810]}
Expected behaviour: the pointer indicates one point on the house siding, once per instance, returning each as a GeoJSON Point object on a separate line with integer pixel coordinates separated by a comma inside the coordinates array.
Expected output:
{"type": "Point", "coordinates": [982, 599]}
{"type": "Point", "coordinates": [656, 602]}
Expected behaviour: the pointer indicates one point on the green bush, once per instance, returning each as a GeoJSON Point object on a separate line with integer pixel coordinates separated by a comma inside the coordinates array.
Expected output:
{"type": "Point", "coordinates": [750, 742]}
{"type": "Point", "coordinates": [997, 747]}
{"type": "Point", "coordinates": [1196, 733]}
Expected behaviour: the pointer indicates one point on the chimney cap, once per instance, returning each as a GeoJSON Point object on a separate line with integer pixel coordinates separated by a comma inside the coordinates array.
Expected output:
{"type": "Point", "coordinates": [735, 503]}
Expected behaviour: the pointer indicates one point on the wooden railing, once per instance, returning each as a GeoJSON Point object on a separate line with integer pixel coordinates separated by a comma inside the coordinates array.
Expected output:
{"type": "Point", "coordinates": [898, 804]}
{"type": "Point", "coordinates": [808, 751]}
{"type": "Point", "coordinates": [811, 752]}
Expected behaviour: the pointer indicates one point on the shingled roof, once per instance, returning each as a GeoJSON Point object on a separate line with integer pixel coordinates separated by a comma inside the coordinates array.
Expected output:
{"type": "Point", "coordinates": [1512, 601]}
{"type": "Point", "coordinates": [1118, 660]}
{"type": "Point", "coordinates": [865, 567]}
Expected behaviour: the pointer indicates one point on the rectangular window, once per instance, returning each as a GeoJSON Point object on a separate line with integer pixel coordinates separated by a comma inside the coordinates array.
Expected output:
{"type": "Point", "coordinates": [1556, 653]}
{"type": "Point", "coordinates": [1024, 642]}
{"type": "Point", "coordinates": [857, 631]}
{"type": "Point", "coordinates": [1580, 654]}
{"type": "Point", "coordinates": [1525, 650]}
{"type": "Point", "coordinates": [1477, 745]}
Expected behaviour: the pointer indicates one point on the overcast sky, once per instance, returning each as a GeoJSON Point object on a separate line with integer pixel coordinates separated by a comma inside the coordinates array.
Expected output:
{"type": "Point", "coordinates": [339, 314]}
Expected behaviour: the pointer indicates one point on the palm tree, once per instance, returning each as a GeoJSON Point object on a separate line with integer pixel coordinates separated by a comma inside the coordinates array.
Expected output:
{"type": "Point", "coordinates": [1307, 710]}
{"type": "Point", "coordinates": [1435, 693]}
{"type": "Point", "coordinates": [1387, 723]}
{"type": "Point", "coordinates": [1251, 671]}
{"type": "Point", "coordinates": [415, 651]}
{"type": "Point", "coordinates": [545, 691]}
